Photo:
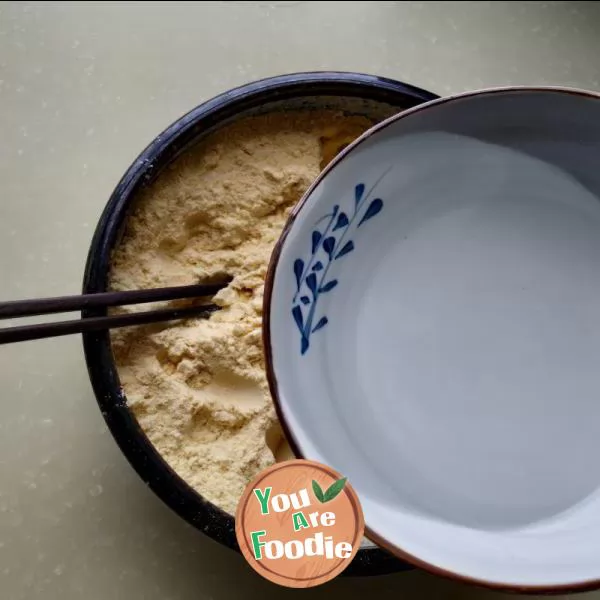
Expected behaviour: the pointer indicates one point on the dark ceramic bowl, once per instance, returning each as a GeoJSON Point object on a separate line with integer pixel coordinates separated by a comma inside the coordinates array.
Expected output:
{"type": "Point", "coordinates": [354, 92]}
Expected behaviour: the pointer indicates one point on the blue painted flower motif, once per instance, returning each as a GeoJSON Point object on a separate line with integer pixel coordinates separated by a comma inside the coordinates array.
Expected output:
{"type": "Point", "coordinates": [328, 244]}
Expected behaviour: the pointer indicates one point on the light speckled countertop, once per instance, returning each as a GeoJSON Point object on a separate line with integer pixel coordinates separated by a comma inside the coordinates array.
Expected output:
{"type": "Point", "coordinates": [83, 88]}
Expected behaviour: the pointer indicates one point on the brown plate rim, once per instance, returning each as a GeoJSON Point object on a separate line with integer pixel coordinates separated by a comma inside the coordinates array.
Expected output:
{"type": "Point", "coordinates": [268, 352]}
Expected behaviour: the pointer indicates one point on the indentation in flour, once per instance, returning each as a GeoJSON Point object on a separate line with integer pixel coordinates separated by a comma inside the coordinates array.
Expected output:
{"type": "Point", "coordinates": [277, 443]}
{"type": "Point", "coordinates": [171, 245]}
{"type": "Point", "coordinates": [273, 437]}
{"type": "Point", "coordinates": [162, 356]}
{"type": "Point", "coordinates": [197, 219]}
{"type": "Point", "coordinates": [211, 416]}
{"type": "Point", "coordinates": [232, 390]}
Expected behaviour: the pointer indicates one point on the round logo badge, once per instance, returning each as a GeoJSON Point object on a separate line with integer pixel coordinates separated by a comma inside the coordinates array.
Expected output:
{"type": "Point", "coordinates": [299, 523]}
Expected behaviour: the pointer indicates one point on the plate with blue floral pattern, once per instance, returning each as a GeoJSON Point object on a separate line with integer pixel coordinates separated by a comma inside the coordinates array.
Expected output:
{"type": "Point", "coordinates": [432, 331]}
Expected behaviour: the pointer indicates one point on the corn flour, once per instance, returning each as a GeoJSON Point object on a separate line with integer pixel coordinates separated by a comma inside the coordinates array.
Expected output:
{"type": "Point", "coordinates": [198, 387]}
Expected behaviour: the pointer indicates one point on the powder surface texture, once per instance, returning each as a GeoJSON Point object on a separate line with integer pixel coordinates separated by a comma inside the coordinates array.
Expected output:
{"type": "Point", "coordinates": [198, 387]}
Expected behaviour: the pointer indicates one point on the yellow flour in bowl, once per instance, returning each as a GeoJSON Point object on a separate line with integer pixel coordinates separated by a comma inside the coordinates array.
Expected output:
{"type": "Point", "coordinates": [198, 388]}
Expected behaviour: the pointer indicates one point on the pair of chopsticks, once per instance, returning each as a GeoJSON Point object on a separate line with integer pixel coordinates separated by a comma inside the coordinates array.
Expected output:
{"type": "Point", "coordinates": [44, 306]}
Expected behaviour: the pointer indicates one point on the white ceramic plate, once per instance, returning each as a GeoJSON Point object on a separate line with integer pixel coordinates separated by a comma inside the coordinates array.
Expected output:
{"type": "Point", "coordinates": [432, 329]}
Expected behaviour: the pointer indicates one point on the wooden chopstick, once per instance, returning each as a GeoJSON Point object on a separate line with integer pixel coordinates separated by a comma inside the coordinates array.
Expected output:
{"type": "Point", "coordinates": [35, 332]}
{"type": "Point", "coordinates": [44, 306]}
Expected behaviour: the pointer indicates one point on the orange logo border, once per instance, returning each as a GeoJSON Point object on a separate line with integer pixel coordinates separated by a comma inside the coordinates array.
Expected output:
{"type": "Point", "coordinates": [243, 533]}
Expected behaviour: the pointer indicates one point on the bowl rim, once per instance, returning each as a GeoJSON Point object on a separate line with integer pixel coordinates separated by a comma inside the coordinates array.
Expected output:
{"type": "Point", "coordinates": [268, 352]}
{"type": "Point", "coordinates": [161, 151]}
